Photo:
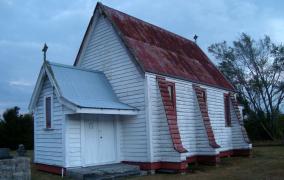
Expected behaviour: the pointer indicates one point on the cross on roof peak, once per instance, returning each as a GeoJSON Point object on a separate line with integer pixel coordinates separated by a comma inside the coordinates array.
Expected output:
{"type": "Point", "coordinates": [44, 50]}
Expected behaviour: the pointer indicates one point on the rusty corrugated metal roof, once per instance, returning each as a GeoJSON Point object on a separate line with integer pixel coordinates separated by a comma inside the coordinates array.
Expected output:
{"type": "Point", "coordinates": [162, 52]}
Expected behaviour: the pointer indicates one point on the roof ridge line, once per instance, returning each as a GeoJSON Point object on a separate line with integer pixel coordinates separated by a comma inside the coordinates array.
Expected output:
{"type": "Point", "coordinates": [73, 67]}
{"type": "Point", "coordinates": [155, 26]}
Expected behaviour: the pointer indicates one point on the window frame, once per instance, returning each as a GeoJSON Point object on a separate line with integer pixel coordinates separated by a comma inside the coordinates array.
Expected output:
{"type": "Point", "coordinates": [227, 110]}
{"type": "Point", "coordinates": [173, 97]}
{"type": "Point", "coordinates": [204, 95]}
{"type": "Point", "coordinates": [51, 112]}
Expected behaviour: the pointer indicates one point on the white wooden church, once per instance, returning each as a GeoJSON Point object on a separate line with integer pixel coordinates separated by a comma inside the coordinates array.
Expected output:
{"type": "Point", "coordinates": [136, 94]}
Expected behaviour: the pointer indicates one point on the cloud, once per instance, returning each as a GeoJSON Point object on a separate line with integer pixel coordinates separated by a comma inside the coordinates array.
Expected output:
{"type": "Point", "coordinates": [19, 44]}
{"type": "Point", "coordinates": [276, 27]}
{"type": "Point", "coordinates": [20, 83]}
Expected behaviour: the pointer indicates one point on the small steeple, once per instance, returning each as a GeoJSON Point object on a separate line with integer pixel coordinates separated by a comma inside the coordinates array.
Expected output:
{"type": "Point", "coordinates": [44, 50]}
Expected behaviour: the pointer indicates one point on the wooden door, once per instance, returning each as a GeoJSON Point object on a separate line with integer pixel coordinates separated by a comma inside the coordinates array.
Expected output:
{"type": "Point", "coordinates": [100, 141]}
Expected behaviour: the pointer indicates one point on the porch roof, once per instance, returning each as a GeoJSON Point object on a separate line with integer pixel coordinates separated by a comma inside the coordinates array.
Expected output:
{"type": "Point", "coordinates": [87, 89]}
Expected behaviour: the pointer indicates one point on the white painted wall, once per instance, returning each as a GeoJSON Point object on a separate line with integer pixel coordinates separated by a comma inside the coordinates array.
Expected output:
{"type": "Point", "coordinates": [190, 123]}
{"type": "Point", "coordinates": [49, 144]}
{"type": "Point", "coordinates": [73, 140]}
{"type": "Point", "coordinates": [105, 52]}
{"type": "Point", "coordinates": [162, 146]}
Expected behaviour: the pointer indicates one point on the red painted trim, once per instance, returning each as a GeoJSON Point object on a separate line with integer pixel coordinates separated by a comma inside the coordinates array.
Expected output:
{"type": "Point", "coordinates": [182, 166]}
{"type": "Point", "coordinates": [227, 153]}
{"type": "Point", "coordinates": [202, 102]}
{"type": "Point", "coordinates": [242, 152]}
{"type": "Point", "coordinates": [204, 159]}
{"type": "Point", "coordinates": [171, 114]}
{"type": "Point", "coordinates": [214, 159]}
{"type": "Point", "coordinates": [50, 168]}
{"type": "Point", "coordinates": [209, 159]}
{"type": "Point", "coordinates": [238, 114]}
{"type": "Point", "coordinates": [235, 152]}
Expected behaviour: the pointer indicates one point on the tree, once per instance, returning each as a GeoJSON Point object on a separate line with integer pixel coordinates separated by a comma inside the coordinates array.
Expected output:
{"type": "Point", "coordinates": [255, 68]}
{"type": "Point", "coordinates": [16, 129]}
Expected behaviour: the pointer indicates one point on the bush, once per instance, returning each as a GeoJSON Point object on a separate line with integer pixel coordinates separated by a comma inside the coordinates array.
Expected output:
{"type": "Point", "coordinates": [257, 126]}
{"type": "Point", "coordinates": [16, 129]}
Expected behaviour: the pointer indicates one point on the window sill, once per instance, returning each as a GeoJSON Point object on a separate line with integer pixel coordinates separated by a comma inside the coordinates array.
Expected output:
{"type": "Point", "coordinates": [228, 126]}
{"type": "Point", "coordinates": [48, 129]}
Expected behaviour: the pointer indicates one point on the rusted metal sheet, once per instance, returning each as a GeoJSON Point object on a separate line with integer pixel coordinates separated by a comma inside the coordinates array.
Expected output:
{"type": "Point", "coordinates": [162, 52]}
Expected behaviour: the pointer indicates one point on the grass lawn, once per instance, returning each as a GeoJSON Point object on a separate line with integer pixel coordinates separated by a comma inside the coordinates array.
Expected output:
{"type": "Point", "coordinates": [265, 163]}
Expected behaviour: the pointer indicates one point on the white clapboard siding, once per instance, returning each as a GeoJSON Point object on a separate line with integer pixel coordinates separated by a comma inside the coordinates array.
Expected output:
{"type": "Point", "coordinates": [49, 144]}
{"type": "Point", "coordinates": [227, 137]}
{"type": "Point", "coordinates": [105, 52]}
{"type": "Point", "coordinates": [238, 141]}
{"type": "Point", "coordinates": [190, 123]}
{"type": "Point", "coordinates": [162, 146]}
{"type": "Point", "coordinates": [73, 140]}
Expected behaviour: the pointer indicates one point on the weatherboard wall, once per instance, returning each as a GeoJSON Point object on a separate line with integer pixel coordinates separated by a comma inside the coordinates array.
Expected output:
{"type": "Point", "coordinates": [190, 122]}
{"type": "Point", "coordinates": [49, 143]}
{"type": "Point", "coordinates": [105, 52]}
{"type": "Point", "coordinates": [73, 140]}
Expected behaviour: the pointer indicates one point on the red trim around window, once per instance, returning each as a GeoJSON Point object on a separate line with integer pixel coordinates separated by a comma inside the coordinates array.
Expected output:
{"type": "Point", "coordinates": [202, 102]}
{"type": "Point", "coordinates": [172, 92]}
{"type": "Point", "coordinates": [171, 113]}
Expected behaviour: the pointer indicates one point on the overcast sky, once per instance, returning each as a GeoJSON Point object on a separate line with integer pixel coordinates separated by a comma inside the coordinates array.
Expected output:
{"type": "Point", "coordinates": [26, 25]}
